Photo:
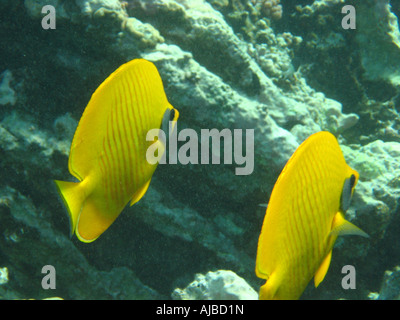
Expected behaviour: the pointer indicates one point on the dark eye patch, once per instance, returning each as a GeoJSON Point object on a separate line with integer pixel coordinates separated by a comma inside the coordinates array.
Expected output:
{"type": "Point", "coordinates": [352, 181]}
{"type": "Point", "coordinates": [172, 115]}
{"type": "Point", "coordinates": [347, 190]}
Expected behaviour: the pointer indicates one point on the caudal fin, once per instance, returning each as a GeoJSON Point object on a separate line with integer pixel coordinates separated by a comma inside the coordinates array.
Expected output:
{"type": "Point", "coordinates": [73, 199]}
{"type": "Point", "coordinates": [88, 217]}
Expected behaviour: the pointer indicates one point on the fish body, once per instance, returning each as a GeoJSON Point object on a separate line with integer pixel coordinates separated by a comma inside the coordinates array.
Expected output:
{"type": "Point", "coordinates": [304, 217]}
{"type": "Point", "coordinates": [108, 151]}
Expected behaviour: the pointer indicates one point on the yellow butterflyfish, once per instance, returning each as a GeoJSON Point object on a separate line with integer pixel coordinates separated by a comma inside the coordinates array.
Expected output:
{"type": "Point", "coordinates": [304, 217]}
{"type": "Point", "coordinates": [108, 151]}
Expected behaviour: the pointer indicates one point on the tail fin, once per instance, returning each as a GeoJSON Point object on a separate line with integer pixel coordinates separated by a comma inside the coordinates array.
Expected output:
{"type": "Point", "coordinates": [87, 216]}
{"type": "Point", "coordinates": [73, 199]}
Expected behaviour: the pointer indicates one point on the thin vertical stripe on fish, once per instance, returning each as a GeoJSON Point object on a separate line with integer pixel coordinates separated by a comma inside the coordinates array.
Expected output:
{"type": "Point", "coordinates": [108, 152]}
{"type": "Point", "coordinates": [304, 217]}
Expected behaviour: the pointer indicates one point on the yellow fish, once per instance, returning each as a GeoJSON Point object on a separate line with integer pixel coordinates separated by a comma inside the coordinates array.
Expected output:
{"type": "Point", "coordinates": [304, 217]}
{"type": "Point", "coordinates": [108, 152]}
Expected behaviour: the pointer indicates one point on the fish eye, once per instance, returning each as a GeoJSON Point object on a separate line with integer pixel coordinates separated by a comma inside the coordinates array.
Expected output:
{"type": "Point", "coordinates": [172, 115]}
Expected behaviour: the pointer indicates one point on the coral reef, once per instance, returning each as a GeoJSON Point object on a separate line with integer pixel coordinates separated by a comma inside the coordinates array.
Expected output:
{"type": "Point", "coordinates": [224, 64]}
{"type": "Point", "coordinates": [272, 8]}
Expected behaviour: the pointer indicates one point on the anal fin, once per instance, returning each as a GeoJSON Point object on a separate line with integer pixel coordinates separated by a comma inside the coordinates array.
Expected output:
{"type": "Point", "coordinates": [269, 289]}
{"type": "Point", "coordinates": [140, 193]}
{"type": "Point", "coordinates": [323, 269]}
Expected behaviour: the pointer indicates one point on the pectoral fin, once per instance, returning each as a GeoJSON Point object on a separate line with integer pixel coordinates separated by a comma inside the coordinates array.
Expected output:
{"type": "Point", "coordinates": [342, 227]}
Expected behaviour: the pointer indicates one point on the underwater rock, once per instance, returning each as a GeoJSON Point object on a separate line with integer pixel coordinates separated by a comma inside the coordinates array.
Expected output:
{"type": "Point", "coordinates": [271, 8]}
{"type": "Point", "coordinates": [7, 94]}
{"type": "Point", "coordinates": [178, 220]}
{"type": "Point", "coordinates": [21, 134]}
{"type": "Point", "coordinates": [144, 35]}
{"type": "Point", "coordinates": [376, 41]}
{"type": "Point", "coordinates": [271, 120]}
{"type": "Point", "coordinates": [34, 8]}
{"type": "Point", "coordinates": [218, 285]}
{"type": "Point", "coordinates": [390, 286]}
{"type": "Point", "coordinates": [64, 127]}
{"type": "Point", "coordinates": [378, 36]}
{"type": "Point", "coordinates": [29, 241]}
{"type": "Point", "coordinates": [24, 228]}
{"type": "Point", "coordinates": [91, 6]}
{"type": "Point", "coordinates": [202, 30]}
{"type": "Point", "coordinates": [3, 275]}
{"type": "Point", "coordinates": [378, 190]}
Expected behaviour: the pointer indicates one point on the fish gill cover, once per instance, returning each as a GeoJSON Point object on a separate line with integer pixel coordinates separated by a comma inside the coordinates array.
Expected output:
{"type": "Point", "coordinates": [285, 69]}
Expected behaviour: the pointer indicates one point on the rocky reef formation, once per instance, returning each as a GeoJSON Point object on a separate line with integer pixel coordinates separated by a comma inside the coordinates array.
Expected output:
{"type": "Point", "coordinates": [224, 64]}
